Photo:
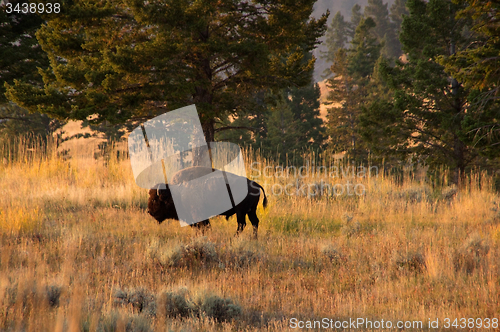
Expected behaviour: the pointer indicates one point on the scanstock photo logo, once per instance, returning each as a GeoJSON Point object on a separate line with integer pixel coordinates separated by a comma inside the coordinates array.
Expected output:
{"type": "Point", "coordinates": [313, 181]}
{"type": "Point", "coordinates": [205, 179]}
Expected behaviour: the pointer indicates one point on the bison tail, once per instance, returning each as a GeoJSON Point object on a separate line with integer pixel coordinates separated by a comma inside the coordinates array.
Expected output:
{"type": "Point", "coordinates": [264, 203]}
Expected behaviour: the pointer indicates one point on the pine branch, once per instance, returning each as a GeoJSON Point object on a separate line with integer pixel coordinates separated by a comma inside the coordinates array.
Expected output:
{"type": "Point", "coordinates": [236, 127]}
{"type": "Point", "coordinates": [14, 118]}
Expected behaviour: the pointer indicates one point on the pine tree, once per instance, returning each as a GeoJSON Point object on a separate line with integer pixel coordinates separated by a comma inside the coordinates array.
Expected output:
{"type": "Point", "coordinates": [342, 116]}
{"type": "Point", "coordinates": [356, 16]}
{"type": "Point", "coordinates": [398, 9]}
{"type": "Point", "coordinates": [427, 118]}
{"type": "Point", "coordinates": [248, 128]}
{"type": "Point", "coordinates": [476, 66]}
{"type": "Point", "coordinates": [21, 55]}
{"type": "Point", "coordinates": [127, 60]}
{"type": "Point", "coordinates": [349, 90]}
{"type": "Point", "coordinates": [384, 30]}
{"type": "Point", "coordinates": [15, 121]}
{"type": "Point", "coordinates": [305, 103]}
{"type": "Point", "coordinates": [283, 135]}
{"type": "Point", "coordinates": [260, 129]}
{"type": "Point", "coordinates": [377, 10]}
{"type": "Point", "coordinates": [364, 51]}
{"type": "Point", "coordinates": [338, 35]}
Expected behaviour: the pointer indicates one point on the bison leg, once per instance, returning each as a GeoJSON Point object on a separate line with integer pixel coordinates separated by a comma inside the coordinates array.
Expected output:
{"type": "Point", "coordinates": [252, 215]}
{"type": "Point", "coordinates": [240, 218]}
{"type": "Point", "coordinates": [202, 226]}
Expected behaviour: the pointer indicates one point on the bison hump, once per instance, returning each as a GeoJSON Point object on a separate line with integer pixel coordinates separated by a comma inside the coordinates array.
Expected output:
{"type": "Point", "coordinates": [189, 174]}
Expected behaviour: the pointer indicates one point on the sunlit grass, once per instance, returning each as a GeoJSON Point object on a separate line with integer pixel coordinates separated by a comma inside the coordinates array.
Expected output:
{"type": "Point", "coordinates": [19, 219]}
{"type": "Point", "coordinates": [74, 234]}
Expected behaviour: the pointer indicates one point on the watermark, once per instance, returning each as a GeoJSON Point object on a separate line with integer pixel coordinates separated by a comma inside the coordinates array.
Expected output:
{"type": "Point", "coordinates": [317, 189]}
{"type": "Point", "coordinates": [312, 171]}
{"type": "Point", "coordinates": [200, 179]}
{"type": "Point", "coordinates": [358, 323]}
{"type": "Point", "coordinates": [367, 323]}
{"type": "Point", "coordinates": [314, 181]}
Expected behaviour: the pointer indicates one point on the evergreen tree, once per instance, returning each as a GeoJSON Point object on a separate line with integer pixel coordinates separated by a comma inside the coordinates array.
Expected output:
{"type": "Point", "coordinates": [338, 35]}
{"type": "Point", "coordinates": [349, 90]}
{"type": "Point", "coordinates": [377, 10]}
{"type": "Point", "coordinates": [305, 103]}
{"type": "Point", "coordinates": [427, 118]}
{"type": "Point", "coordinates": [15, 121]}
{"type": "Point", "coordinates": [248, 128]}
{"type": "Point", "coordinates": [297, 107]}
{"type": "Point", "coordinates": [283, 134]}
{"type": "Point", "coordinates": [356, 16]}
{"type": "Point", "coordinates": [398, 9]}
{"type": "Point", "coordinates": [342, 116]}
{"type": "Point", "coordinates": [364, 51]}
{"type": "Point", "coordinates": [127, 60]}
{"type": "Point", "coordinates": [383, 30]}
{"type": "Point", "coordinates": [21, 55]}
{"type": "Point", "coordinates": [476, 66]}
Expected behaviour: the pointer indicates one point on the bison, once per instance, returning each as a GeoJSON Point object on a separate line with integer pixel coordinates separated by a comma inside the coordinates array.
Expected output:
{"type": "Point", "coordinates": [161, 204]}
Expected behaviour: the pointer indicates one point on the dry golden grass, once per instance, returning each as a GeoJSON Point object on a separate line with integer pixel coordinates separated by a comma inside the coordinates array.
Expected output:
{"type": "Point", "coordinates": [79, 253]}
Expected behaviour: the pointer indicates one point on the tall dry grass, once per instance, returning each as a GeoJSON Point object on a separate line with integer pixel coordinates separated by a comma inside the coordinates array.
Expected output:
{"type": "Point", "coordinates": [79, 253]}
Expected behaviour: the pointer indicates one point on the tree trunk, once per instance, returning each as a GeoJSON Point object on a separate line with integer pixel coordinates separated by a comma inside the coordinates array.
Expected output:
{"type": "Point", "coordinates": [460, 162]}
{"type": "Point", "coordinates": [199, 154]}
{"type": "Point", "coordinates": [459, 147]}
{"type": "Point", "coordinates": [209, 130]}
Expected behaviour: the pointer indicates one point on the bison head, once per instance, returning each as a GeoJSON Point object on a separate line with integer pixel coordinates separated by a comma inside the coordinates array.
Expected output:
{"type": "Point", "coordinates": [160, 203]}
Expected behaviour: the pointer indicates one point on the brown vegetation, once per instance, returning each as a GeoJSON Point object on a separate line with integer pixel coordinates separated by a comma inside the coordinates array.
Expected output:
{"type": "Point", "coordinates": [79, 253]}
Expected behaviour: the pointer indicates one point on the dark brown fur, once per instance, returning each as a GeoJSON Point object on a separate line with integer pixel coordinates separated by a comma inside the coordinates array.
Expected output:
{"type": "Point", "coordinates": [161, 206]}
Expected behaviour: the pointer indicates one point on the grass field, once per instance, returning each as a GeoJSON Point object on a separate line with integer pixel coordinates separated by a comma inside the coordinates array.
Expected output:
{"type": "Point", "coordinates": [78, 252]}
